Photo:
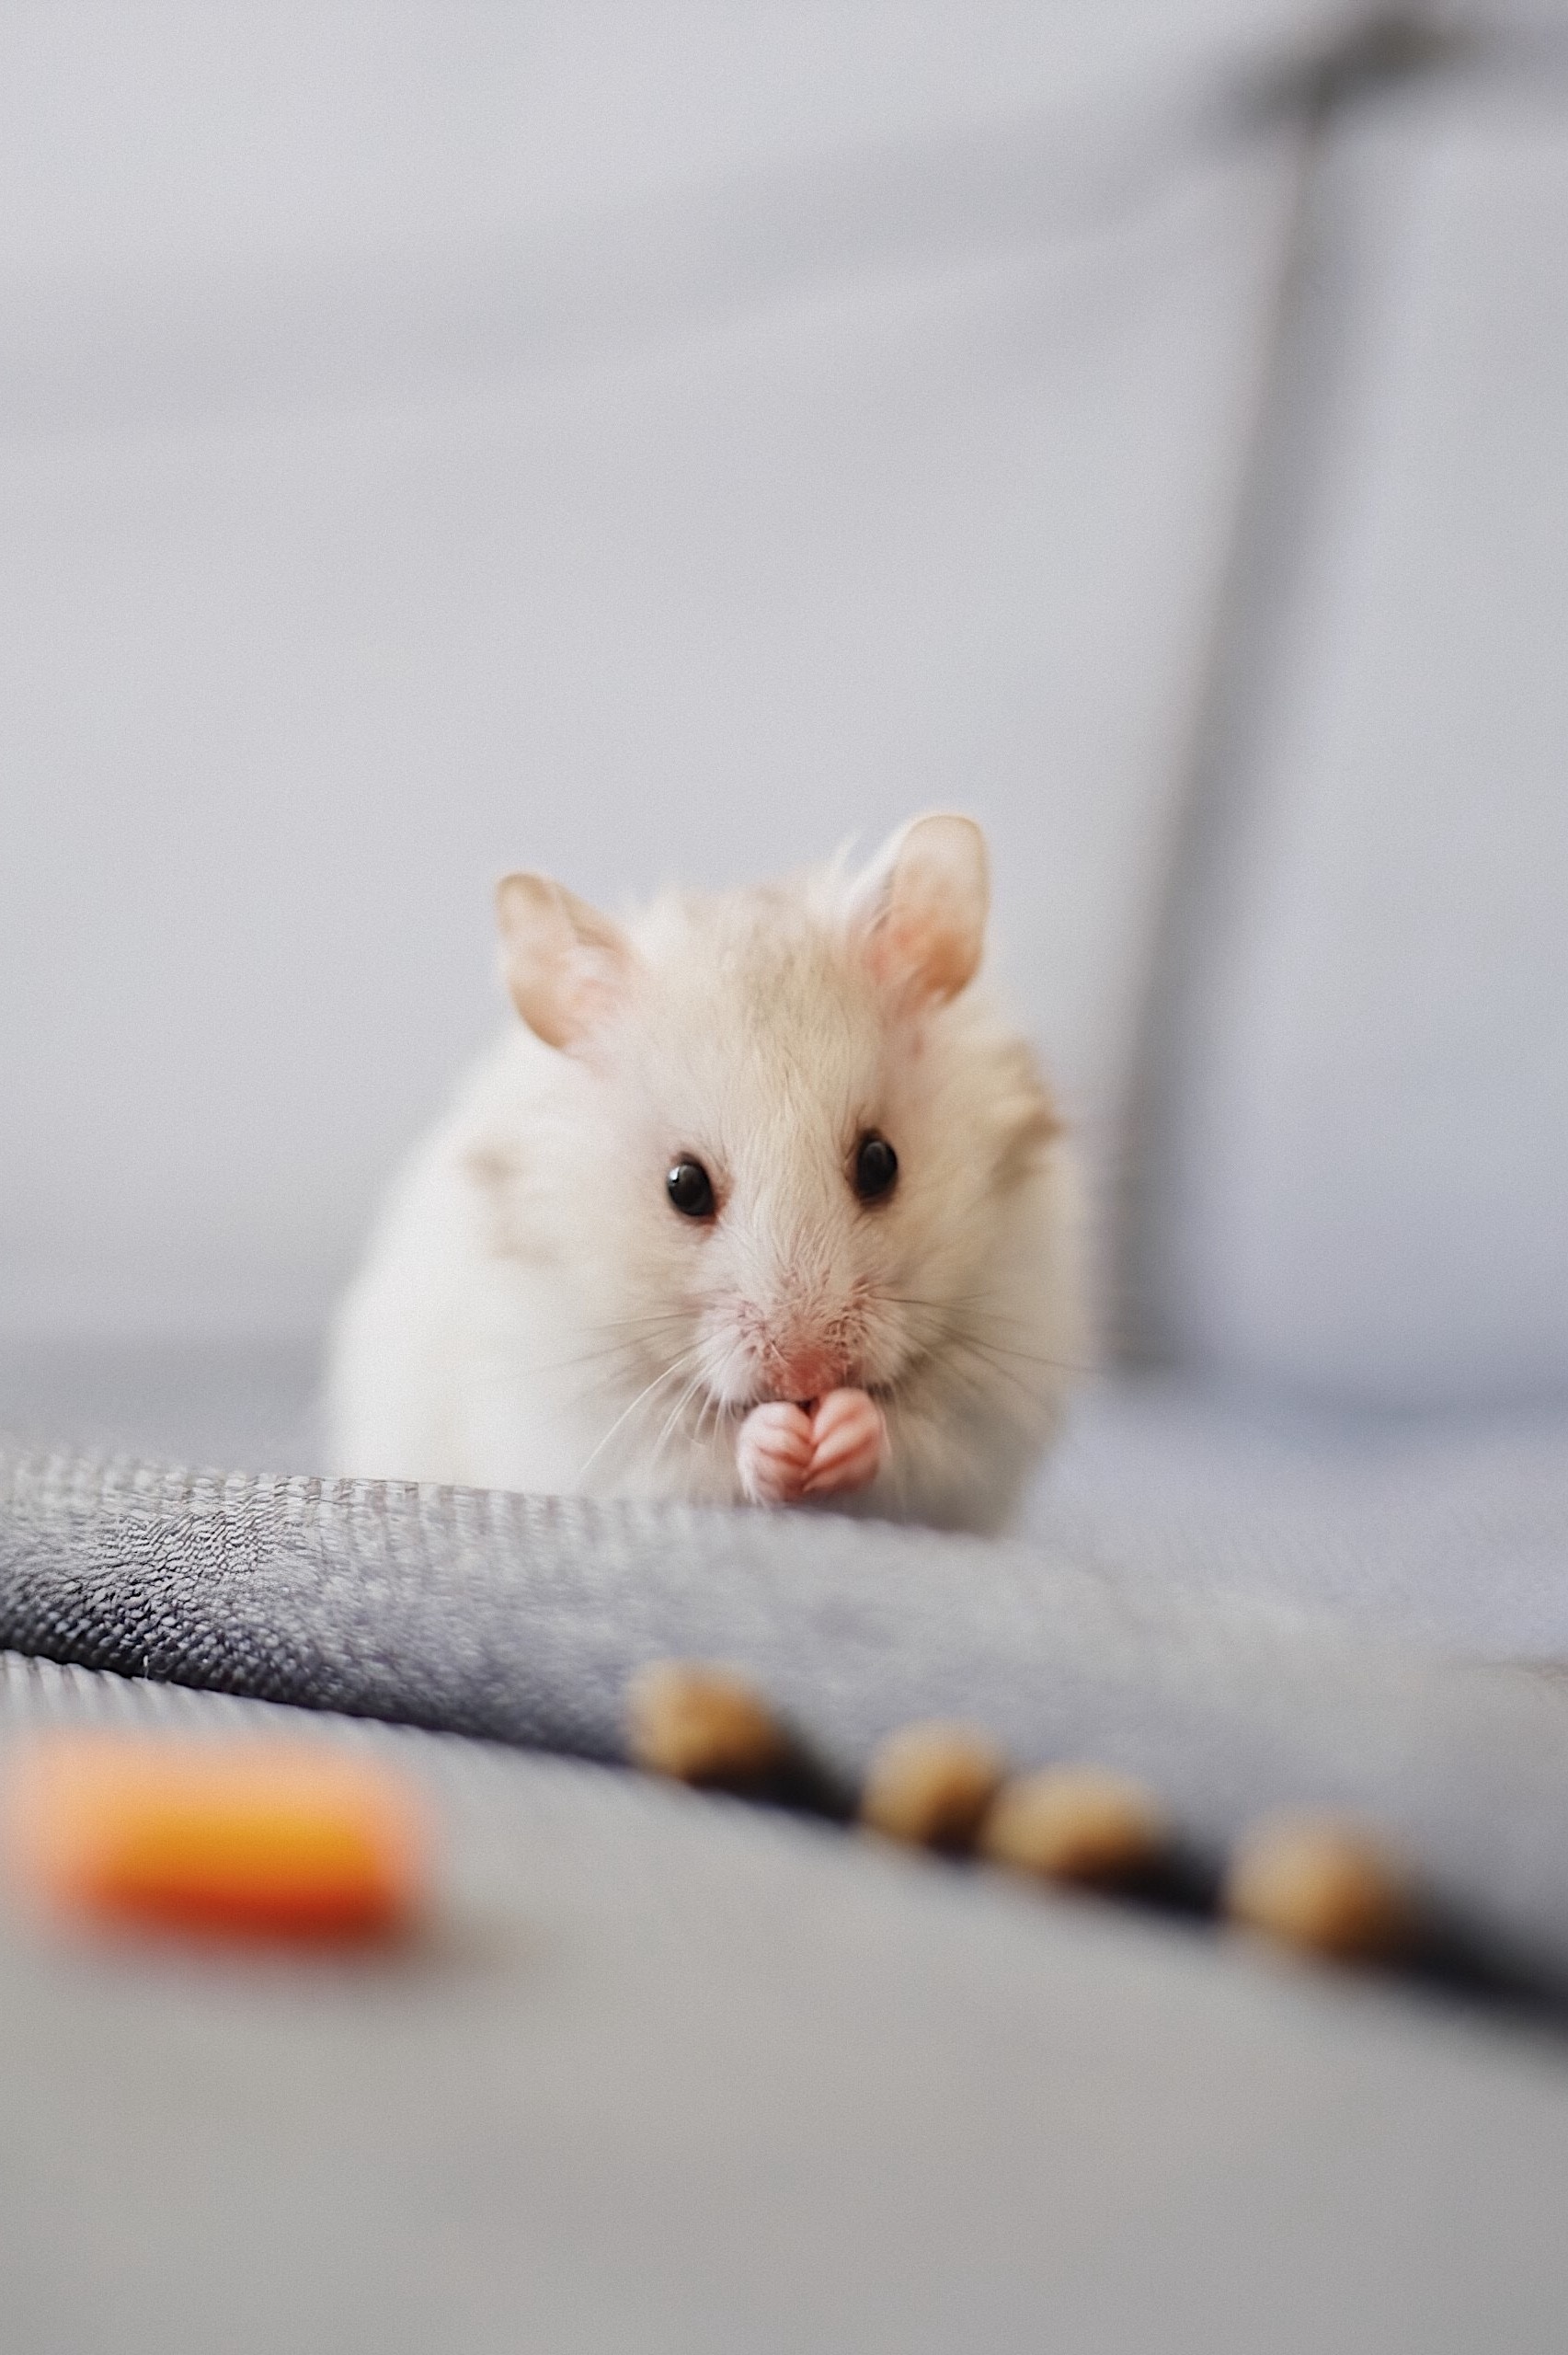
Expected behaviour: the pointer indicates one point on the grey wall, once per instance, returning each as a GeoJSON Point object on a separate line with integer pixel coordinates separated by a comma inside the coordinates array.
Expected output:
{"type": "Point", "coordinates": [634, 441]}
{"type": "Point", "coordinates": [1366, 1102]}
{"type": "Point", "coordinates": [644, 442]}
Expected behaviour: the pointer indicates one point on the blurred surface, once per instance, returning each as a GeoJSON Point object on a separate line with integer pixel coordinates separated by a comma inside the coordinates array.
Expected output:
{"type": "Point", "coordinates": [678, 2075]}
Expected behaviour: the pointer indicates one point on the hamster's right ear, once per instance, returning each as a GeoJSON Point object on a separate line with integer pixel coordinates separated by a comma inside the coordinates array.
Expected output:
{"type": "Point", "coordinates": [566, 966]}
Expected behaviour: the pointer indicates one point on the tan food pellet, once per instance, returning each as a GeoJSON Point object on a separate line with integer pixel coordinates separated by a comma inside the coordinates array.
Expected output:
{"type": "Point", "coordinates": [703, 1723]}
{"type": "Point", "coordinates": [1317, 1883]}
{"type": "Point", "coordinates": [930, 1784]}
{"type": "Point", "coordinates": [1075, 1823]}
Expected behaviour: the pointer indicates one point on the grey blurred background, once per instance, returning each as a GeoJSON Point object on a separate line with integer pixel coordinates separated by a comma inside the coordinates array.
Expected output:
{"type": "Point", "coordinates": [647, 439]}
{"type": "Point", "coordinates": [634, 441]}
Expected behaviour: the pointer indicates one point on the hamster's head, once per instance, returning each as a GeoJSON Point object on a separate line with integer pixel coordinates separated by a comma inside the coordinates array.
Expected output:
{"type": "Point", "coordinates": [788, 1130]}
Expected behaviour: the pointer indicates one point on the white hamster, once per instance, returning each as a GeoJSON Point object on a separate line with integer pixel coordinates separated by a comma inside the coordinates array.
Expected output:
{"type": "Point", "coordinates": [760, 1202]}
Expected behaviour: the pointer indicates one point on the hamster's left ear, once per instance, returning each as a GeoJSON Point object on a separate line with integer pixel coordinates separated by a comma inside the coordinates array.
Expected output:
{"type": "Point", "coordinates": [566, 966]}
{"type": "Point", "coordinates": [923, 905]}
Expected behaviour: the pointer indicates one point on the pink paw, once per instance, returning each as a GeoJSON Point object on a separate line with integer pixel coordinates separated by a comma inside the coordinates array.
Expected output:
{"type": "Point", "coordinates": [785, 1454]}
{"type": "Point", "coordinates": [850, 1433]}
{"type": "Point", "coordinates": [773, 1452]}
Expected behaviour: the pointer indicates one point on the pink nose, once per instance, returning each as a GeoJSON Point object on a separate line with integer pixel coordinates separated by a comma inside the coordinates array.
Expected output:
{"type": "Point", "coordinates": [805, 1373]}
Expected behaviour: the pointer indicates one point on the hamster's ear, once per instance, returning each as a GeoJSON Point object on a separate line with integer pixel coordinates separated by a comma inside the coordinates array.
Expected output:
{"type": "Point", "coordinates": [566, 966]}
{"type": "Point", "coordinates": [923, 905]}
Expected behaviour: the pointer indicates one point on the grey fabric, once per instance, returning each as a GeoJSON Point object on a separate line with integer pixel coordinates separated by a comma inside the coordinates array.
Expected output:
{"type": "Point", "coordinates": [673, 2077]}
{"type": "Point", "coordinates": [1449, 1531]}
{"type": "Point", "coordinates": [1446, 1531]}
{"type": "Point", "coordinates": [521, 1618]}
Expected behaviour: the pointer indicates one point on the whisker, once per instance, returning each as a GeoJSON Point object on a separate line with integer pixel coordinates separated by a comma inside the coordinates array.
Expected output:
{"type": "Point", "coordinates": [1035, 1392]}
{"type": "Point", "coordinates": [681, 1406]}
{"type": "Point", "coordinates": [669, 1374]}
{"type": "Point", "coordinates": [642, 1331]}
{"type": "Point", "coordinates": [951, 1332]}
{"type": "Point", "coordinates": [710, 1405]}
{"type": "Point", "coordinates": [628, 1351]}
{"type": "Point", "coordinates": [665, 1317]}
{"type": "Point", "coordinates": [958, 1320]}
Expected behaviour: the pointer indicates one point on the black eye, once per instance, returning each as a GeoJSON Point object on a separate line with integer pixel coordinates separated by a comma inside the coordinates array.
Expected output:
{"type": "Point", "coordinates": [691, 1189]}
{"type": "Point", "coordinates": [876, 1167]}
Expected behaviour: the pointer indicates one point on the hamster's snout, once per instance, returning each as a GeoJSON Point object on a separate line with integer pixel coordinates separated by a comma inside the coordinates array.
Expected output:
{"type": "Point", "coordinates": [805, 1374]}
{"type": "Point", "coordinates": [795, 1343]}
{"type": "Point", "coordinates": [796, 1356]}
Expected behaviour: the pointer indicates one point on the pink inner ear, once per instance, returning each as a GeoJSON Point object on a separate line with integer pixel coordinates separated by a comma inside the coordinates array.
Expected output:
{"type": "Point", "coordinates": [921, 951]}
{"type": "Point", "coordinates": [926, 902]}
{"type": "Point", "coordinates": [565, 965]}
{"type": "Point", "coordinates": [591, 989]}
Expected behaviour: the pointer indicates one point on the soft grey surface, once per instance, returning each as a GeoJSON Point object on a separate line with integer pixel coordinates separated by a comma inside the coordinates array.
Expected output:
{"type": "Point", "coordinates": [676, 2077]}
{"type": "Point", "coordinates": [1443, 1530]}
{"type": "Point", "coordinates": [522, 1618]}
{"type": "Point", "coordinates": [1369, 1118]}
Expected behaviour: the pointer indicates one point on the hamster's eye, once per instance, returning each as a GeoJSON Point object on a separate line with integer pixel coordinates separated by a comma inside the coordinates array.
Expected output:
{"type": "Point", "coordinates": [691, 1189]}
{"type": "Point", "coordinates": [875, 1168]}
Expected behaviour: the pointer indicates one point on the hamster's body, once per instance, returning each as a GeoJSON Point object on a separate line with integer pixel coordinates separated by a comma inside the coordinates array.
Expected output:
{"type": "Point", "coordinates": [654, 1247]}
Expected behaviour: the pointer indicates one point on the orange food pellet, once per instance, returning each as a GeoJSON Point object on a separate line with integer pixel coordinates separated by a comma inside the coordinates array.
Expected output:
{"type": "Point", "coordinates": [261, 1839]}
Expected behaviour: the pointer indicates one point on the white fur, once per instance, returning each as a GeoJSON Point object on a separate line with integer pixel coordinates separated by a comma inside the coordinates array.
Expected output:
{"type": "Point", "coordinates": [533, 1314]}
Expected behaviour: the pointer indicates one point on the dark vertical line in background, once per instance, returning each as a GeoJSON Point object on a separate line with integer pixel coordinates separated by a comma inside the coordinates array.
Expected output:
{"type": "Point", "coordinates": [1279, 480]}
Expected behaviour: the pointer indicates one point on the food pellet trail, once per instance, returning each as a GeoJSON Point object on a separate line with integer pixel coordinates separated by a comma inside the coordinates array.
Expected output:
{"type": "Point", "coordinates": [1083, 1824]}
{"type": "Point", "coordinates": [700, 1722]}
{"type": "Point", "coordinates": [1324, 1886]}
{"type": "Point", "coordinates": [932, 1783]}
{"type": "Point", "coordinates": [255, 1838]}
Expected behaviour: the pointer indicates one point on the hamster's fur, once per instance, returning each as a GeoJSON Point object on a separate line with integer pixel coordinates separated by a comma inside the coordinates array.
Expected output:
{"type": "Point", "coordinates": [536, 1312]}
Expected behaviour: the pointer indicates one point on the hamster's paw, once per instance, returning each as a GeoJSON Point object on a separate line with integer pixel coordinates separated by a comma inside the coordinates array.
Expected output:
{"type": "Point", "coordinates": [850, 1435]}
{"type": "Point", "coordinates": [773, 1452]}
